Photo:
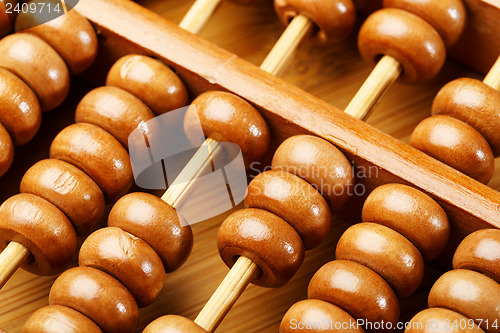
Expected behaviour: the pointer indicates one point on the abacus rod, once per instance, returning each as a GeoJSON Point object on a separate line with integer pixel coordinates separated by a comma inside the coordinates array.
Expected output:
{"type": "Point", "coordinates": [227, 294]}
{"type": "Point", "coordinates": [10, 260]}
{"type": "Point", "coordinates": [380, 79]}
{"type": "Point", "coordinates": [298, 29]}
{"type": "Point", "coordinates": [493, 77]}
{"type": "Point", "coordinates": [198, 15]}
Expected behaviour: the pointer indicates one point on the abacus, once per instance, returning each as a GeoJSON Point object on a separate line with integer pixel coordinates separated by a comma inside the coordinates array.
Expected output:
{"type": "Point", "coordinates": [288, 111]}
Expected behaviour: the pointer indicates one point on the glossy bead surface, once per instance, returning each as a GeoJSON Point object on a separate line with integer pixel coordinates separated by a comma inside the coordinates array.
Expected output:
{"type": "Point", "coordinates": [98, 296]}
{"type": "Point", "coordinates": [469, 293]}
{"type": "Point", "coordinates": [40, 227]}
{"type": "Point", "coordinates": [37, 64]}
{"type": "Point", "coordinates": [69, 189]}
{"type": "Point", "coordinates": [173, 324]}
{"type": "Point", "coordinates": [412, 213]}
{"type": "Point", "coordinates": [264, 238]}
{"type": "Point", "coordinates": [157, 223]}
{"type": "Point", "coordinates": [320, 164]}
{"type": "Point", "coordinates": [57, 318]}
{"type": "Point", "coordinates": [6, 150]}
{"type": "Point", "coordinates": [438, 320]}
{"type": "Point", "coordinates": [226, 117]}
{"type": "Point", "coordinates": [20, 114]}
{"type": "Point", "coordinates": [334, 19]}
{"type": "Point", "coordinates": [474, 102]}
{"type": "Point", "coordinates": [356, 289]}
{"type": "Point", "coordinates": [98, 154]}
{"type": "Point", "coordinates": [457, 144]}
{"type": "Point", "coordinates": [295, 201]}
{"type": "Point", "coordinates": [480, 251]}
{"type": "Point", "coordinates": [405, 37]}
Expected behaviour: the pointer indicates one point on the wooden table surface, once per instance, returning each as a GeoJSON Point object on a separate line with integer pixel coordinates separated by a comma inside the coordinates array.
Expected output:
{"type": "Point", "coordinates": [332, 73]}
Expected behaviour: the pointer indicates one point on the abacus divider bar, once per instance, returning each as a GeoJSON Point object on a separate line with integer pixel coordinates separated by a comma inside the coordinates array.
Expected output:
{"type": "Point", "coordinates": [380, 79]}
{"type": "Point", "coordinates": [493, 77]}
{"type": "Point", "coordinates": [227, 294]}
{"type": "Point", "coordinates": [184, 182]}
{"type": "Point", "coordinates": [10, 260]}
{"type": "Point", "coordinates": [298, 29]}
{"type": "Point", "coordinates": [198, 15]}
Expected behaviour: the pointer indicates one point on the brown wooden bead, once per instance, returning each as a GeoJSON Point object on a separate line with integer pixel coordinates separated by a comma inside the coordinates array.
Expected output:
{"type": "Point", "coordinates": [6, 150]}
{"type": "Point", "coordinates": [57, 318]}
{"type": "Point", "coordinates": [295, 201]}
{"type": "Point", "coordinates": [149, 80]}
{"type": "Point", "coordinates": [480, 251]}
{"type": "Point", "coordinates": [42, 228]}
{"type": "Point", "coordinates": [128, 259]}
{"type": "Point", "coordinates": [69, 189]}
{"type": "Point", "coordinates": [386, 252]}
{"type": "Point", "coordinates": [469, 293]}
{"type": "Point", "coordinates": [39, 65]}
{"type": "Point", "coordinates": [474, 102]}
{"type": "Point", "coordinates": [320, 164]}
{"type": "Point", "coordinates": [328, 318]}
{"type": "Point", "coordinates": [116, 111]}
{"type": "Point", "coordinates": [356, 289]}
{"type": "Point", "coordinates": [157, 223]}
{"type": "Point", "coordinates": [98, 296]}
{"type": "Point", "coordinates": [457, 144]}
{"type": "Point", "coordinates": [20, 114]}
{"type": "Point", "coordinates": [226, 117]}
{"type": "Point", "coordinates": [412, 213]}
{"type": "Point", "coordinates": [6, 19]}
{"type": "Point", "coordinates": [447, 17]}
{"type": "Point", "coordinates": [173, 324]}
{"type": "Point", "coordinates": [334, 19]}
{"type": "Point", "coordinates": [264, 238]}
{"type": "Point", "coordinates": [252, 2]}
{"type": "Point", "coordinates": [98, 154]}
{"type": "Point", "coordinates": [407, 38]}
{"type": "Point", "coordinates": [438, 320]}
{"type": "Point", "coordinates": [71, 35]}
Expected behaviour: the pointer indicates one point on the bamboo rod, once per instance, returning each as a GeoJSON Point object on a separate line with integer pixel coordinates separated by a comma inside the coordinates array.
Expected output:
{"type": "Point", "coordinates": [198, 15]}
{"type": "Point", "coordinates": [10, 260]}
{"type": "Point", "coordinates": [493, 77]}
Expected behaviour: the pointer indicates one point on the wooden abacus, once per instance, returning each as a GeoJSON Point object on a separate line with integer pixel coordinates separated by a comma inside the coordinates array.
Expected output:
{"type": "Point", "coordinates": [289, 111]}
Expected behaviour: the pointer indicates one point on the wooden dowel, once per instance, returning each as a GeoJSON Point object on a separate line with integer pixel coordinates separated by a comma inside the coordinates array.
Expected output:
{"type": "Point", "coordinates": [10, 260]}
{"type": "Point", "coordinates": [227, 294]}
{"type": "Point", "coordinates": [493, 77]}
{"type": "Point", "coordinates": [283, 50]}
{"type": "Point", "coordinates": [198, 15]}
{"type": "Point", "coordinates": [382, 76]}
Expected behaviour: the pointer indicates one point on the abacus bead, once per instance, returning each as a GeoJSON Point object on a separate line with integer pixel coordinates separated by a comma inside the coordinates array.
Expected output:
{"type": "Point", "coordinates": [226, 117]}
{"type": "Point", "coordinates": [305, 313]}
{"type": "Point", "coordinates": [480, 251]}
{"type": "Point", "coordinates": [149, 80]}
{"type": "Point", "coordinates": [474, 102]}
{"type": "Point", "coordinates": [173, 324]}
{"type": "Point", "coordinates": [264, 238]}
{"type": "Point", "coordinates": [447, 17]}
{"type": "Point", "coordinates": [6, 150]}
{"type": "Point", "coordinates": [20, 114]}
{"type": "Point", "coordinates": [407, 38]}
{"type": "Point", "coordinates": [334, 19]}
{"type": "Point", "coordinates": [295, 201]}
{"type": "Point", "coordinates": [128, 259]}
{"type": "Point", "coordinates": [116, 111]}
{"type": "Point", "coordinates": [412, 213]}
{"type": "Point", "coordinates": [98, 296]}
{"type": "Point", "coordinates": [320, 164]}
{"type": "Point", "coordinates": [98, 154]}
{"type": "Point", "coordinates": [457, 144]}
{"type": "Point", "coordinates": [71, 35]}
{"type": "Point", "coordinates": [358, 290]}
{"type": "Point", "coordinates": [438, 320]}
{"type": "Point", "coordinates": [386, 252]}
{"type": "Point", "coordinates": [42, 228]}
{"type": "Point", "coordinates": [57, 318]}
{"type": "Point", "coordinates": [469, 293]}
{"type": "Point", "coordinates": [157, 223]}
{"type": "Point", "coordinates": [69, 189]}
{"type": "Point", "coordinates": [39, 65]}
